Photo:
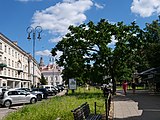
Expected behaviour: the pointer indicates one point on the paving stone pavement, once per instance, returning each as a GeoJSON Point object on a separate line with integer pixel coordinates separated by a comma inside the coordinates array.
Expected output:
{"type": "Point", "coordinates": [142, 105]}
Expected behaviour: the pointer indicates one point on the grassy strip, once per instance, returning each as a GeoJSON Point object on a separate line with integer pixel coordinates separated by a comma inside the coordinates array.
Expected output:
{"type": "Point", "coordinates": [60, 107]}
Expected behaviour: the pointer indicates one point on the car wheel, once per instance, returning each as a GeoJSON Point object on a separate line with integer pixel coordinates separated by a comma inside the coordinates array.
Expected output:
{"type": "Point", "coordinates": [33, 100]}
{"type": "Point", "coordinates": [39, 97]}
{"type": "Point", "coordinates": [7, 103]}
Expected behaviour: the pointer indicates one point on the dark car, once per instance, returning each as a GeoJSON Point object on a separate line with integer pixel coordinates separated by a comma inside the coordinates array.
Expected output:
{"type": "Point", "coordinates": [43, 90]}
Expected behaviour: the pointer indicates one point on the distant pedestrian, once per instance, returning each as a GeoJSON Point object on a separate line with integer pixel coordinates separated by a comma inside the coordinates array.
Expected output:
{"type": "Point", "coordinates": [125, 85]}
{"type": "Point", "coordinates": [133, 86]}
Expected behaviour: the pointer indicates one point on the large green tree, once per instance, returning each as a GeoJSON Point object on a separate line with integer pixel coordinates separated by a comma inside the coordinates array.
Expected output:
{"type": "Point", "coordinates": [152, 44]}
{"type": "Point", "coordinates": [85, 50]}
{"type": "Point", "coordinates": [87, 57]}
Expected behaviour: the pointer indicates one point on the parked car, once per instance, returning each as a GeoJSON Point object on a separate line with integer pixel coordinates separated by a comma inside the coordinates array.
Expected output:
{"type": "Point", "coordinates": [37, 93]}
{"type": "Point", "coordinates": [61, 87]}
{"type": "Point", "coordinates": [54, 90]}
{"type": "Point", "coordinates": [50, 89]}
{"type": "Point", "coordinates": [43, 90]}
{"type": "Point", "coordinates": [12, 97]}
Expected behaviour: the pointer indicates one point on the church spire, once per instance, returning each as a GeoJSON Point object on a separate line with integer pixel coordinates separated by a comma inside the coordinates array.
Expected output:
{"type": "Point", "coordinates": [41, 64]}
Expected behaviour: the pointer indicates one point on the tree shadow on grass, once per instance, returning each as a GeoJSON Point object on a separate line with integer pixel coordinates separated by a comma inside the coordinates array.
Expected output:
{"type": "Point", "coordinates": [87, 95]}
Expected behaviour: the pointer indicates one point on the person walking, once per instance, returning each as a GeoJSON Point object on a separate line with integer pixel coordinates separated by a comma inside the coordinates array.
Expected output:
{"type": "Point", "coordinates": [125, 85]}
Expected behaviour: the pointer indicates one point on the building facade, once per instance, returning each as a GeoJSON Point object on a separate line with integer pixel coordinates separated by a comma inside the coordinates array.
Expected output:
{"type": "Point", "coordinates": [16, 66]}
{"type": "Point", "coordinates": [52, 73]}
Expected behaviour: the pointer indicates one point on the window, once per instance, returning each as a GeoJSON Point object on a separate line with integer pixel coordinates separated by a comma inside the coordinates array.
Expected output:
{"type": "Point", "coordinates": [12, 93]}
{"type": "Point", "coordinates": [52, 78]}
{"type": "Point", "coordinates": [21, 92]}
{"type": "Point", "coordinates": [0, 58]}
{"type": "Point", "coordinates": [5, 48]}
{"type": "Point", "coordinates": [16, 73]}
{"type": "Point", "coordinates": [12, 63]}
{"type": "Point", "coordinates": [5, 60]}
{"type": "Point", "coordinates": [21, 57]}
{"type": "Point", "coordinates": [0, 46]}
{"type": "Point", "coordinates": [19, 64]}
{"type": "Point", "coordinates": [12, 73]}
{"type": "Point", "coordinates": [15, 64]}
{"type": "Point", "coordinates": [16, 54]}
{"type": "Point", "coordinates": [13, 53]}
{"type": "Point", "coordinates": [9, 51]}
{"type": "Point", "coordinates": [9, 72]}
{"type": "Point", "coordinates": [9, 62]}
{"type": "Point", "coordinates": [4, 69]}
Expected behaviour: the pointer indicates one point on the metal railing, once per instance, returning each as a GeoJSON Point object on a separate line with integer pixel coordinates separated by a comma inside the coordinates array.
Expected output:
{"type": "Point", "coordinates": [108, 105]}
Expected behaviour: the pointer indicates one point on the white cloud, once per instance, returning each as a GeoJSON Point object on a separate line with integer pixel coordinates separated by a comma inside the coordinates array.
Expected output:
{"type": "Point", "coordinates": [145, 8]}
{"type": "Point", "coordinates": [99, 6]}
{"type": "Point", "coordinates": [55, 40]}
{"type": "Point", "coordinates": [59, 53]}
{"type": "Point", "coordinates": [57, 18]}
{"type": "Point", "coordinates": [48, 53]}
{"type": "Point", "coordinates": [113, 42]}
{"type": "Point", "coordinates": [44, 53]}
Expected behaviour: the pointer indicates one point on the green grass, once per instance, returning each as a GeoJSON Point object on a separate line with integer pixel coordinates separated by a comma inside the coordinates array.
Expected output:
{"type": "Point", "coordinates": [60, 106]}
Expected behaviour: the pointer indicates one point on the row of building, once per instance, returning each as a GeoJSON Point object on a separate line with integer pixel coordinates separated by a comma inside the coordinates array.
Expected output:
{"type": "Point", "coordinates": [16, 67]}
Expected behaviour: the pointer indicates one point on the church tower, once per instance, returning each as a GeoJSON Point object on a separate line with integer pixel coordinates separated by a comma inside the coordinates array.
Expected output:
{"type": "Point", "coordinates": [41, 64]}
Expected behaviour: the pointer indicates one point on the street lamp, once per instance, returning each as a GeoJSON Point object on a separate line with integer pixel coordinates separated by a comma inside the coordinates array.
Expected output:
{"type": "Point", "coordinates": [37, 29]}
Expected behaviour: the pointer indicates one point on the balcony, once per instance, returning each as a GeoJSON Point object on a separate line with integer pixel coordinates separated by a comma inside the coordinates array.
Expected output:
{"type": "Point", "coordinates": [2, 64]}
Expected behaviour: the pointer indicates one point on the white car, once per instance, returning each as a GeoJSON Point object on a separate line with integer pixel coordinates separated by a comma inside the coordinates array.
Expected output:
{"type": "Point", "coordinates": [37, 93]}
{"type": "Point", "coordinates": [12, 97]}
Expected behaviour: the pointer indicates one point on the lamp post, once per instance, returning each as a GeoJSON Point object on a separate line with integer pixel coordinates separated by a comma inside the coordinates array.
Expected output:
{"type": "Point", "coordinates": [37, 29]}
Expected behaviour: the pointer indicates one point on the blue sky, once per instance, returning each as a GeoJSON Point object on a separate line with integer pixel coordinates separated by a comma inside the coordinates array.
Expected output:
{"type": "Point", "coordinates": [54, 16]}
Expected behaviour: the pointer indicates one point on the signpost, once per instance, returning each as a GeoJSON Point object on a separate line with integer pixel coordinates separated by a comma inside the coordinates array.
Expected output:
{"type": "Point", "coordinates": [72, 84]}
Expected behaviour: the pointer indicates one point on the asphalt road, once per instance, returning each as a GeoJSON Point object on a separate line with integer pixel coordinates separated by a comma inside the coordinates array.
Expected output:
{"type": "Point", "coordinates": [5, 111]}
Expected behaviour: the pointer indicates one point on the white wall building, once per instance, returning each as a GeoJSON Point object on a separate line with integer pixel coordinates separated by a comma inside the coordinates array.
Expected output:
{"type": "Point", "coordinates": [16, 66]}
{"type": "Point", "coordinates": [52, 73]}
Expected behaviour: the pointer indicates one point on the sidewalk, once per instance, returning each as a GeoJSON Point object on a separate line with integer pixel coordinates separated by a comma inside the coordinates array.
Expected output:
{"type": "Point", "coordinates": [139, 106]}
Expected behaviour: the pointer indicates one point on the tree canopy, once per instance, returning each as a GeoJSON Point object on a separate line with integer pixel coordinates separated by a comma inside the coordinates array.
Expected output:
{"type": "Point", "coordinates": [89, 57]}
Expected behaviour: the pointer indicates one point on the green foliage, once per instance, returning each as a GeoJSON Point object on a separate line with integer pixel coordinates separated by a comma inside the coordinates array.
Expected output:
{"type": "Point", "coordinates": [43, 80]}
{"type": "Point", "coordinates": [60, 107]}
{"type": "Point", "coordinates": [88, 58]}
{"type": "Point", "coordinates": [152, 44]}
